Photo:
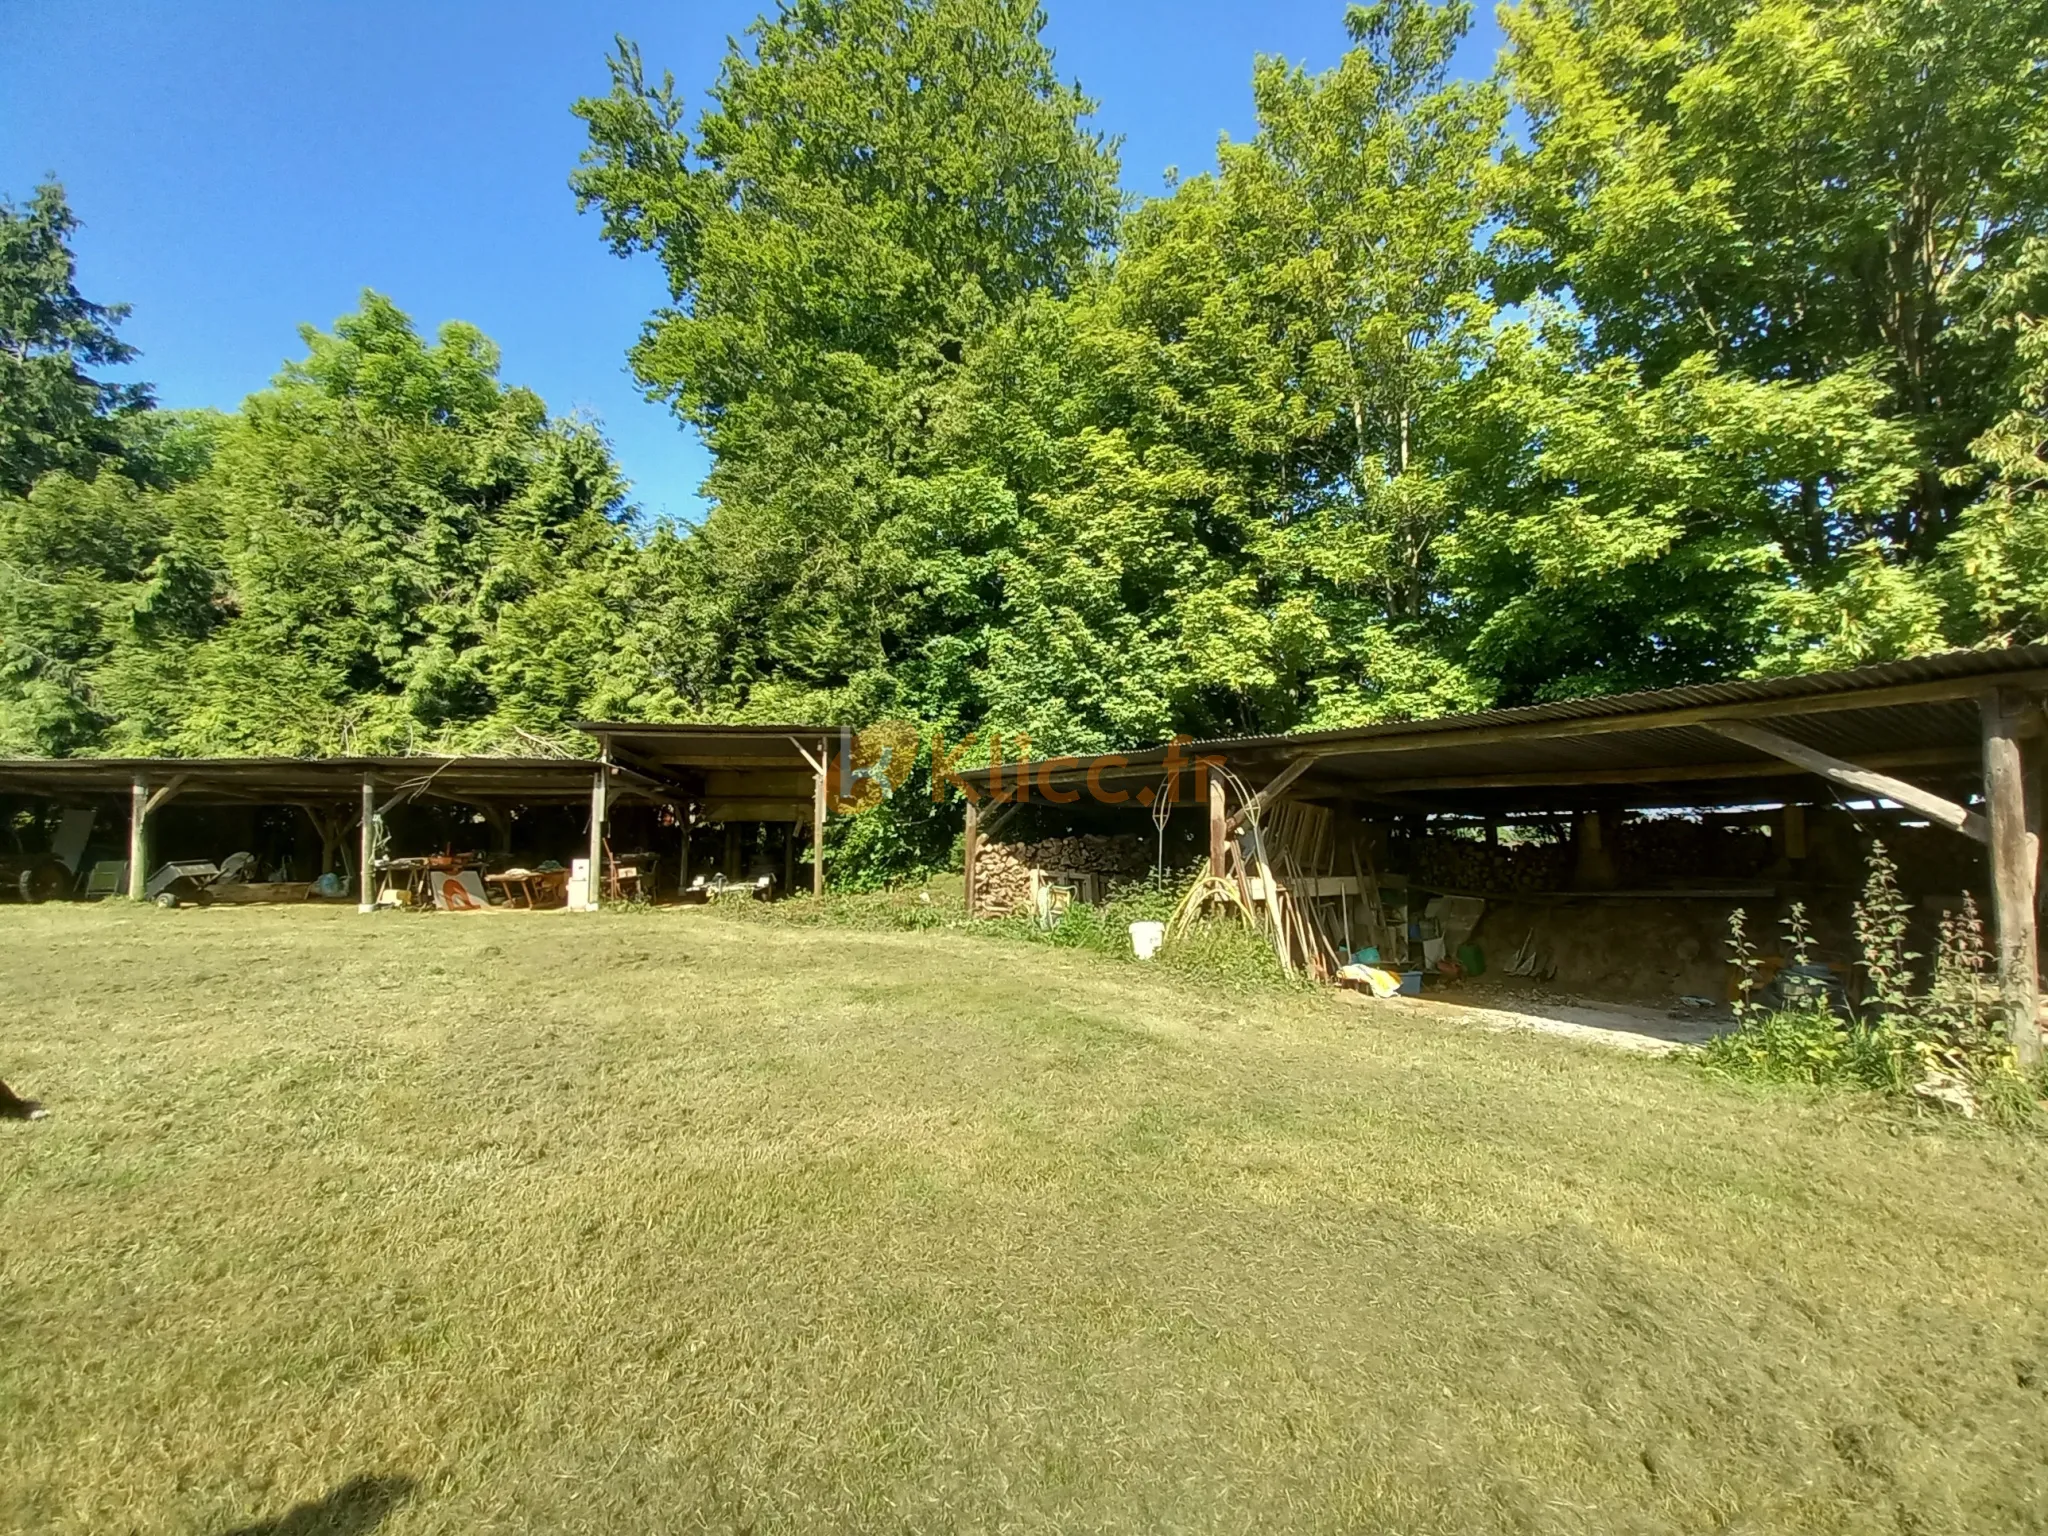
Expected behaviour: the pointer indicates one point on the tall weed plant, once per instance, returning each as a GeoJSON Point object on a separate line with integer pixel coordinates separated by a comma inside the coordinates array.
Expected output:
{"type": "Point", "coordinates": [1942, 1045]}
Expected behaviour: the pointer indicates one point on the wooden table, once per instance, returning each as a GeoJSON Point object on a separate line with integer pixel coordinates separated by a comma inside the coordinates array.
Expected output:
{"type": "Point", "coordinates": [530, 888]}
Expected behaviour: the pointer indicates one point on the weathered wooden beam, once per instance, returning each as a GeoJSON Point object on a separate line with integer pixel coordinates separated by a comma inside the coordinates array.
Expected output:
{"type": "Point", "coordinates": [1279, 786]}
{"type": "Point", "coordinates": [970, 844]}
{"type": "Point", "coordinates": [593, 895]}
{"type": "Point", "coordinates": [1672, 773]}
{"type": "Point", "coordinates": [366, 867]}
{"type": "Point", "coordinates": [167, 792]}
{"type": "Point", "coordinates": [1863, 780]}
{"type": "Point", "coordinates": [1145, 765]}
{"type": "Point", "coordinates": [1004, 811]}
{"type": "Point", "coordinates": [138, 837]}
{"type": "Point", "coordinates": [818, 812]}
{"type": "Point", "coordinates": [760, 784]}
{"type": "Point", "coordinates": [2012, 875]}
{"type": "Point", "coordinates": [655, 775]}
{"type": "Point", "coordinates": [756, 810]}
{"type": "Point", "coordinates": [1219, 826]}
{"type": "Point", "coordinates": [402, 797]}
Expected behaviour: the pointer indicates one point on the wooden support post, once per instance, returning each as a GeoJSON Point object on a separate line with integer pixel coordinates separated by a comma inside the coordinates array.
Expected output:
{"type": "Point", "coordinates": [1595, 861]}
{"type": "Point", "coordinates": [2030, 757]}
{"type": "Point", "coordinates": [1795, 832]}
{"type": "Point", "coordinates": [683, 862]}
{"type": "Point", "coordinates": [138, 838]}
{"type": "Point", "coordinates": [1218, 824]}
{"type": "Point", "coordinates": [2012, 875]}
{"type": "Point", "coordinates": [366, 863]}
{"type": "Point", "coordinates": [818, 826]}
{"type": "Point", "coordinates": [971, 851]}
{"type": "Point", "coordinates": [329, 831]}
{"type": "Point", "coordinates": [788, 857]}
{"type": "Point", "coordinates": [729, 861]}
{"type": "Point", "coordinates": [593, 896]}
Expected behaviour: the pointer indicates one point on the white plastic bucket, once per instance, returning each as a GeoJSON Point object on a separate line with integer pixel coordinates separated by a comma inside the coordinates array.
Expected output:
{"type": "Point", "coordinates": [1146, 939]}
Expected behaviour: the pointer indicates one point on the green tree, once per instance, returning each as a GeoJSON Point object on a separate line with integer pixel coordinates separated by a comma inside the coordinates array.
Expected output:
{"type": "Point", "coordinates": [1992, 576]}
{"type": "Point", "coordinates": [93, 576]}
{"type": "Point", "coordinates": [871, 189]}
{"type": "Point", "coordinates": [390, 509]}
{"type": "Point", "coordinates": [1645, 535]}
{"type": "Point", "coordinates": [53, 414]}
{"type": "Point", "coordinates": [1794, 188]}
{"type": "Point", "coordinates": [386, 550]}
{"type": "Point", "coordinates": [1229, 455]}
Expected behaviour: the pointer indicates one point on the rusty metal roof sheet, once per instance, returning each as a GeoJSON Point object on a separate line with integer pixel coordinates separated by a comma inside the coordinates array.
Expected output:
{"type": "Point", "coordinates": [290, 779]}
{"type": "Point", "coordinates": [1919, 715]}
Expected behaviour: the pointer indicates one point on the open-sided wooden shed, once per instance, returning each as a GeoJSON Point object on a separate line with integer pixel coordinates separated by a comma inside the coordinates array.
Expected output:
{"type": "Point", "coordinates": [732, 773]}
{"type": "Point", "coordinates": [705, 772]}
{"type": "Point", "coordinates": [1952, 738]}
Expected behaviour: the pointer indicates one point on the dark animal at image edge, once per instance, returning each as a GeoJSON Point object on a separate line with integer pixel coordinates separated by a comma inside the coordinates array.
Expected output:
{"type": "Point", "coordinates": [14, 1107]}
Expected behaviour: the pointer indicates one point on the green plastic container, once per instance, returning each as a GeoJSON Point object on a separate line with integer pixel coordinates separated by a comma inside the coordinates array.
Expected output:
{"type": "Point", "coordinates": [1471, 960]}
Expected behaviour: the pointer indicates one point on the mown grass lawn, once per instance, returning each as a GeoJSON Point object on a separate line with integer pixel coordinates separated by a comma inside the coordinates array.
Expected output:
{"type": "Point", "coordinates": [653, 1222]}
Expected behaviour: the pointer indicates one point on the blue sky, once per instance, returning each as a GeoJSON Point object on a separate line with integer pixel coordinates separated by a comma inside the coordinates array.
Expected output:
{"type": "Point", "coordinates": [243, 166]}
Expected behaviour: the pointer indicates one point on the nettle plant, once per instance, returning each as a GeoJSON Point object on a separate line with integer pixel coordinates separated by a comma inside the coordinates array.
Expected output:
{"type": "Point", "coordinates": [1942, 1043]}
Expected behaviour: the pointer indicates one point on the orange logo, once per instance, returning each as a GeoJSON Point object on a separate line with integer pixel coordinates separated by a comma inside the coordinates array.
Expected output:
{"type": "Point", "coordinates": [873, 764]}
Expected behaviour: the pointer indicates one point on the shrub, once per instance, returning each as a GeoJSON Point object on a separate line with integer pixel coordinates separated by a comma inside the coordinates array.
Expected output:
{"type": "Point", "coordinates": [1228, 953]}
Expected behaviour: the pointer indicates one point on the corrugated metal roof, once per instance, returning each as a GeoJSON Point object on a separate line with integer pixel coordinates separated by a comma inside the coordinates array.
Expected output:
{"type": "Point", "coordinates": [1920, 714]}
{"type": "Point", "coordinates": [304, 777]}
{"type": "Point", "coordinates": [1947, 666]}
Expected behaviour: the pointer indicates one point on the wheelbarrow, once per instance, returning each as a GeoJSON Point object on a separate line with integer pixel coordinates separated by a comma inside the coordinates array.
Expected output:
{"type": "Point", "coordinates": [182, 883]}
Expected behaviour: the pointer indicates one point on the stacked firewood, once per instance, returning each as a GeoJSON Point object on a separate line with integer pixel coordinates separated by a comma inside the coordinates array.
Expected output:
{"type": "Point", "coordinates": [1652, 852]}
{"type": "Point", "coordinates": [1002, 875]}
{"type": "Point", "coordinates": [1462, 864]}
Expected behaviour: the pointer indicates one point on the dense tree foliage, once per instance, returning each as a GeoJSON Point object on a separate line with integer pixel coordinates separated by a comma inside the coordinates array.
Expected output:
{"type": "Point", "coordinates": [1700, 340]}
{"type": "Point", "coordinates": [386, 550]}
{"type": "Point", "coordinates": [868, 193]}
{"type": "Point", "coordinates": [1392, 412]}
{"type": "Point", "coordinates": [53, 415]}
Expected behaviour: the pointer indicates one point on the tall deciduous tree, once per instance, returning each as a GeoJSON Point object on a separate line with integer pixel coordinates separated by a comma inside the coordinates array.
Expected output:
{"type": "Point", "coordinates": [388, 549]}
{"type": "Point", "coordinates": [1794, 188]}
{"type": "Point", "coordinates": [1241, 443]}
{"type": "Point", "coordinates": [871, 188]}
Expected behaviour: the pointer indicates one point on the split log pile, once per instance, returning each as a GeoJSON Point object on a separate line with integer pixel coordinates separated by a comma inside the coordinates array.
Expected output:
{"type": "Point", "coordinates": [1465, 864]}
{"type": "Point", "coordinates": [1002, 880]}
{"type": "Point", "coordinates": [1652, 853]}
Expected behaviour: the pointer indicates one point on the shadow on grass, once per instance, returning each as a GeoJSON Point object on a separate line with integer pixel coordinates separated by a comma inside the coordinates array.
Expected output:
{"type": "Point", "coordinates": [358, 1506]}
